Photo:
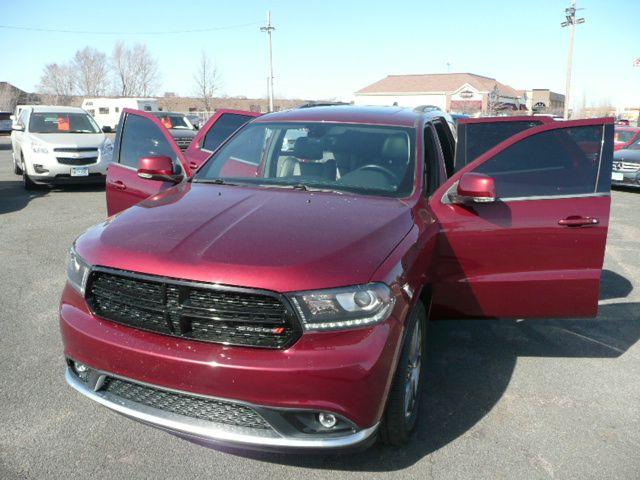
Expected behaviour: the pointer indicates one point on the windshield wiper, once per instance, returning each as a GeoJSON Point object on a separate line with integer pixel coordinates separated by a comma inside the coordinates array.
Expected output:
{"type": "Point", "coordinates": [300, 186]}
{"type": "Point", "coordinates": [215, 181]}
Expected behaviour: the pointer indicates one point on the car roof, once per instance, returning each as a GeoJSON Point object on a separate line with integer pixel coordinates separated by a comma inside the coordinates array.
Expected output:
{"type": "Point", "coordinates": [376, 115]}
{"type": "Point", "coordinates": [57, 109]}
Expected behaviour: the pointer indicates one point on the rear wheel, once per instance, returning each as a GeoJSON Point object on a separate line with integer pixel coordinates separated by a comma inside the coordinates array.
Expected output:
{"type": "Point", "coordinates": [401, 414]}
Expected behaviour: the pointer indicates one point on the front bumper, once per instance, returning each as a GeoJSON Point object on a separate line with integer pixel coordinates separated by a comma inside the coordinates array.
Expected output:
{"type": "Point", "coordinates": [220, 433]}
{"type": "Point", "coordinates": [46, 168]}
{"type": "Point", "coordinates": [344, 373]}
{"type": "Point", "coordinates": [629, 179]}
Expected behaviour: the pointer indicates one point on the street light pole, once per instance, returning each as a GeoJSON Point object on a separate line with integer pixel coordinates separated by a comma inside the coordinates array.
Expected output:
{"type": "Point", "coordinates": [270, 28]}
{"type": "Point", "coordinates": [571, 22]}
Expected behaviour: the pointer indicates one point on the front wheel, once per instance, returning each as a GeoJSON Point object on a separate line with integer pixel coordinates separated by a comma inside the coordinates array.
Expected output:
{"type": "Point", "coordinates": [401, 414]}
{"type": "Point", "coordinates": [16, 168]}
{"type": "Point", "coordinates": [27, 182]}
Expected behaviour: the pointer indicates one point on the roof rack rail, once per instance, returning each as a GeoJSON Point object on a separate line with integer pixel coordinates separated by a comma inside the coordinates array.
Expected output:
{"type": "Point", "coordinates": [427, 108]}
{"type": "Point", "coordinates": [322, 104]}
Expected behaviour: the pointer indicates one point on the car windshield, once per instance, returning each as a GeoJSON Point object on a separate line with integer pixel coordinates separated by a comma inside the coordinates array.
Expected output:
{"type": "Point", "coordinates": [62, 122]}
{"type": "Point", "coordinates": [623, 135]}
{"type": "Point", "coordinates": [179, 122]}
{"type": "Point", "coordinates": [340, 157]}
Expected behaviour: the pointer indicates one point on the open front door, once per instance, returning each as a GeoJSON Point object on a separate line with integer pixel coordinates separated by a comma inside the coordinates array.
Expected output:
{"type": "Point", "coordinates": [219, 127]}
{"type": "Point", "coordinates": [140, 135]}
{"type": "Point", "coordinates": [532, 244]}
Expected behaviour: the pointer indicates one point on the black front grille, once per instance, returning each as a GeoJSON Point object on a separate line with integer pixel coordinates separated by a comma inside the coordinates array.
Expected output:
{"type": "Point", "coordinates": [77, 161]}
{"type": "Point", "coordinates": [183, 142]}
{"type": "Point", "coordinates": [76, 150]}
{"type": "Point", "coordinates": [198, 312]}
{"type": "Point", "coordinates": [202, 408]}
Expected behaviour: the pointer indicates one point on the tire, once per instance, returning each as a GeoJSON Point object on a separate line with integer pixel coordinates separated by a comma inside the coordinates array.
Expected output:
{"type": "Point", "coordinates": [27, 183]}
{"type": "Point", "coordinates": [16, 168]}
{"type": "Point", "coordinates": [401, 415]}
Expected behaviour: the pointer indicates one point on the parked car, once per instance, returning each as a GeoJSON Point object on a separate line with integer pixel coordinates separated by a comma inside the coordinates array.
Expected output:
{"type": "Point", "coordinates": [279, 298]}
{"type": "Point", "coordinates": [626, 166]}
{"type": "Point", "coordinates": [55, 145]}
{"type": "Point", "coordinates": [625, 136]}
{"type": "Point", "coordinates": [180, 127]}
{"type": "Point", "coordinates": [5, 122]}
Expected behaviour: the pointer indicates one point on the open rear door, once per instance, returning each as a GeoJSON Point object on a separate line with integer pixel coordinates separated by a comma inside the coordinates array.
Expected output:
{"type": "Point", "coordinates": [139, 135]}
{"type": "Point", "coordinates": [478, 135]}
{"type": "Point", "coordinates": [536, 248]}
{"type": "Point", "coordinates": [219, 127]}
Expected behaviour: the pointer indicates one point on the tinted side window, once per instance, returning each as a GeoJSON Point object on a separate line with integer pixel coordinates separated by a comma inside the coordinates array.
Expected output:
{"type": "Point", "coordinates": [556, 162]}
{"type": "Point", "coordinates": [222, 129]}
{"type": "Point", "coordinates": [445, 144]}
{"type": "Point", "coordinates": [474, 139]}
{"type": "Point", "coordinates": [432, 166]}
{"type": "Point", "coordinates": [142, 138]}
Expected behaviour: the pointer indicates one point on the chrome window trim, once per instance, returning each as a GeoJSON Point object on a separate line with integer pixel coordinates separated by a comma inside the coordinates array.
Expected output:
{"type": "Point", "coordinates": [600, 159]}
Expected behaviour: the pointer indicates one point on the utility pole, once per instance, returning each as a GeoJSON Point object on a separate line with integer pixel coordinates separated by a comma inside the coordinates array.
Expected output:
{"type": "Point", "coordinates": [270, 28]}
{"type": "Point", "coordinates": [571, 22]}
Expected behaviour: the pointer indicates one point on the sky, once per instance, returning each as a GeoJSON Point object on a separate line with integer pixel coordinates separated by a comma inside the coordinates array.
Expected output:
{"type": "Point", "coordinates": [331, 48]}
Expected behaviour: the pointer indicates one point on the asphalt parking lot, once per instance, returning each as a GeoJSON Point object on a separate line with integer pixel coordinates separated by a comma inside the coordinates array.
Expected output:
{"type": "Point", "coordinates": [505, 399]}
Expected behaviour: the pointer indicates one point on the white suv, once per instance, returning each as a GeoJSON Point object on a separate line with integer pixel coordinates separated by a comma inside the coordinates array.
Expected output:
{"type": "Point", "coordinates": [57, 145]}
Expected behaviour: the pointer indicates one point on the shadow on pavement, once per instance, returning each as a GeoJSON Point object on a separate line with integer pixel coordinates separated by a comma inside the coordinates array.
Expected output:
{"type": "Point", "coordinates": [14, 197]}
{"type": "Point", "coordinates": [469, 365]}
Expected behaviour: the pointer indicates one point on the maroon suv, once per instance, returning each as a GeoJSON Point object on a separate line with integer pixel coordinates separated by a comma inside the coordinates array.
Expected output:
{"type": "Point", "coordinates": [275, 293]}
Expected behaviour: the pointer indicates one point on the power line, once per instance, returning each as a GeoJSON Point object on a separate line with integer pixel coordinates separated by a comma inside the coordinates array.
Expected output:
{"type": "Point", "coordinates": [156, 32]}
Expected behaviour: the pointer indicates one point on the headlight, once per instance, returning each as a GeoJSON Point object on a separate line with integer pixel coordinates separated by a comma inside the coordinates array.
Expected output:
{"type": "Point", "coordinates": [343, 308]}
{"type": "Point", "coordinates": [77, 271]}
{"type": "Point", "coordinates": [39, 148]}
{"type": "Point", "coordinates": [106, 150]}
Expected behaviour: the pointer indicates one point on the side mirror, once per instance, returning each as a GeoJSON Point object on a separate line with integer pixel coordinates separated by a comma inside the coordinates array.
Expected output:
{"type": "Point", "coordinates": [17, 127]}
{"type": "Point", "coordinates": [12, 117]}
{"type": "Point", "coordinates": [157, 168]}
{"type": "Point", "coordinates": [474, 188]}
{"type": "Point", "coordinates": [107, 129]}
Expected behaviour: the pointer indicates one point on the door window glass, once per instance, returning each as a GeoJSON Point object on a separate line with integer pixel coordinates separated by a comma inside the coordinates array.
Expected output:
{"type": "Point", "coordinates": [474, 139]}
{"type": "Point", "coordinates": [564, 161]}
{"type": "Point", "coordinates": [222, 129]}
{"type": "Point", "coordinates": [142, 138]}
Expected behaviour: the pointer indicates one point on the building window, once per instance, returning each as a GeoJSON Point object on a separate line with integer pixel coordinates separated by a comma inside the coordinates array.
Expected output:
{"type": "Point", "coordinates": [193, 109]}
{"type": "Point", "coordinates": [103, 111]}
{"type": "Point", "coordinates": [117, 109]}
{"type": "Point", "coordinates": [147, 108]}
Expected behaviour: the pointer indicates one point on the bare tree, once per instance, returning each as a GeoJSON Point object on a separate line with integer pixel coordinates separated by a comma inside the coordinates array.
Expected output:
{"type": "Point", "coordinates": [91, 72]}
{"type": "Point", "coordinates": [207, 82]}
{"type": "Point", "coordinates": [9, 97]}
{"type": "Point", "coordinates": [135, 70]}
{"type": "Point", "coordinates": [57, 83]}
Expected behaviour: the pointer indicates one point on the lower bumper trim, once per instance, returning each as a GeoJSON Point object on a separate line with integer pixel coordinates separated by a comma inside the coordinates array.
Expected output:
{"type": "Point", "coordinates": [221, 434]}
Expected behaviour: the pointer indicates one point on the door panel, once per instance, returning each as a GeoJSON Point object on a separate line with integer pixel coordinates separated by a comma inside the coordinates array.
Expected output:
{"type": "Point", "coordinates": [537, 251]}
{"type": "Point", "coordinates": [219, 127]}
{"type": "Point", "coordinates": [139, 135]}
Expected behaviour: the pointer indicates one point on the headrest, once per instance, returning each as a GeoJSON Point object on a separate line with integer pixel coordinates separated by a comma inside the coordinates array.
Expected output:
{"type": "Point", "coordinates": [307, 149]}
{"type": "Point", "coordinates": [396, 148]}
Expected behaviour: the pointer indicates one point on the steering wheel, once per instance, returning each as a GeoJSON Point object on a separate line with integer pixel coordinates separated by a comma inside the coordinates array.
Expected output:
{"type": "Point", "coordinates": [388, 173]}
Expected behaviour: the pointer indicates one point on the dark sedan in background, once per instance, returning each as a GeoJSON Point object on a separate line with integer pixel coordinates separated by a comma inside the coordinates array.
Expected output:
{"type": "Point", "coordinates": [626, 166]}
{"type": "Point", "coordinates": [5, 123]}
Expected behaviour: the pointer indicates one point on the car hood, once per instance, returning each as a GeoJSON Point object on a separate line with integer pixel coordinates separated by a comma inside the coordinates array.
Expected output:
{"type": "Point", "coordinates": [70, 140]}
{"type": "Point", "coordinates": [627, 155]}
{"type": "Point", "coordinates": [273, 239]}
{"type": "Point", "coordinates": [182, 133]}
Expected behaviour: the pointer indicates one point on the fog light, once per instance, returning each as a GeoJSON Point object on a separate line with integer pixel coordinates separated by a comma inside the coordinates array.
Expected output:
{"type": "Point", "coordinates": [327, 420]}
{"type": "Point", "coordinates": [80, 367]}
